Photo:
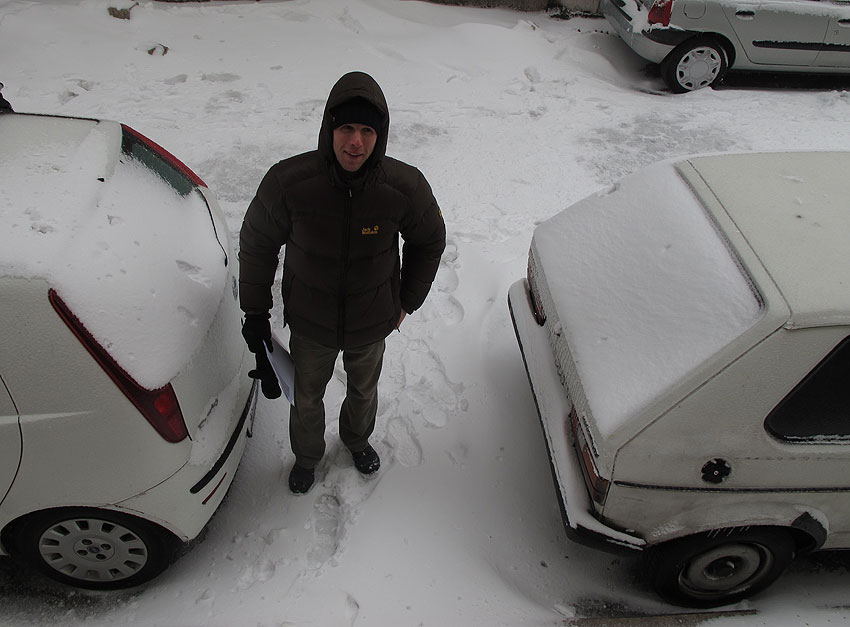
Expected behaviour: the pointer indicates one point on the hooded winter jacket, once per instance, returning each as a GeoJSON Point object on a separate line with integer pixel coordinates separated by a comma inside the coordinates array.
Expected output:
{"type": "Point", "coordinates": [343, 282]}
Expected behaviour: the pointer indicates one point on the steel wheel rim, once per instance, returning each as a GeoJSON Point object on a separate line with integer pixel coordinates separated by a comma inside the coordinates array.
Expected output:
{"type": "Point", "coordinates": [725, 569]}
{"type": "Point", "coordinates": [91, 549]}
{"type": "Point", "coordinates": [698, 68]}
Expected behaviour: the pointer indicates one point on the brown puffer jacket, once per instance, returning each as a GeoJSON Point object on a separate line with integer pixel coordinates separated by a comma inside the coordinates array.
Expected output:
{"type": "Point", "coordinates": [343, 282]}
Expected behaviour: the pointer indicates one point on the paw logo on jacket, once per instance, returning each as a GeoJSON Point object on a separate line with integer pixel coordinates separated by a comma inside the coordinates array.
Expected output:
{"type": "Point", "coordinates": [369, 230]}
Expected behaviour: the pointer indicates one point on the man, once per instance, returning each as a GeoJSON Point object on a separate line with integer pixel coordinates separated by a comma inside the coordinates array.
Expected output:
{"type": "Point", "coordinates": [339, 211]}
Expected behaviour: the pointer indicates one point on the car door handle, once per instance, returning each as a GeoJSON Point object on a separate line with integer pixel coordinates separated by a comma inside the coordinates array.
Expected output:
{"type": "Point", "coordinates": [745, 15]}
{"type": "Point", "coordinates": [844, 22]}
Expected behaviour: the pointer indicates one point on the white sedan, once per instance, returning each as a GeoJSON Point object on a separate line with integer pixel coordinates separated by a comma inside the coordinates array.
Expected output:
{"type": "Point", "coordinates": [124, 397]}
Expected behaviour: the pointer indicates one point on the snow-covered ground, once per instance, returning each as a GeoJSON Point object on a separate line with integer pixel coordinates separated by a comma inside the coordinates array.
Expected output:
{"type": "Point", "coordinates": [512, 117]}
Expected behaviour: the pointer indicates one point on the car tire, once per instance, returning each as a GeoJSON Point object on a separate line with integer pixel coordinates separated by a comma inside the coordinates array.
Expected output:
{"type": "Point", "coordinates": [720, 567]}
{"type": "Point", "coordinates": [93, 548]}
{"type": "Point", "coordinates": [694, 64]}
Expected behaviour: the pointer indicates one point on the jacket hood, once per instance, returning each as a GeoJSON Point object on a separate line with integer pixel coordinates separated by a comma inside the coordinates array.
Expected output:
{"type": "Point", "coordinates": [350, 86]}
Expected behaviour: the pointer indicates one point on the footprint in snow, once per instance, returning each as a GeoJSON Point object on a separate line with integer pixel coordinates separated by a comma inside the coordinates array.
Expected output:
{"type": "Point", "coordinates": [328, 530]}
{"type": "Point", "coordinates": [441, 305]}
{"type": "Point", "coordinates": [403, 441]}
{"type": "Point", "coordinates": [253, 573]}
{"type": "Point", "coordinates": [425, 393]}
{"type": "Point", "coordinates": [193, 272]}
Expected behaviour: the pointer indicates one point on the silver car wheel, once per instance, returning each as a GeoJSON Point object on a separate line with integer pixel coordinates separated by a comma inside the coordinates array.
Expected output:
{"type": "Point", "coordinates": [699, 68]}
{"type": "Point", "coordinates": [90, 549]}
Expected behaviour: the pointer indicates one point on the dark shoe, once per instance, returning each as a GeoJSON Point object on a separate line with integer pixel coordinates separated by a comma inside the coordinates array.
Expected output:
{"type": "Point", "coordinates": [301, 479]}
{"type": "Point", "coordinates": [367, 460]}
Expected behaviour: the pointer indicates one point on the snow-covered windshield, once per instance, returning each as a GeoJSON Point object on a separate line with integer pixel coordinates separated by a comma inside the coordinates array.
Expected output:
{"type": "Point", "coordinates": [645, 289]}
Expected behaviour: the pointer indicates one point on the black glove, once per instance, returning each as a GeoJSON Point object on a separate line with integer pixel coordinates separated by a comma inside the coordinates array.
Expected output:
{"type": "Point", "coordinates": [257, 331]}
{"type": "Point", "coordinates": [266, 375]}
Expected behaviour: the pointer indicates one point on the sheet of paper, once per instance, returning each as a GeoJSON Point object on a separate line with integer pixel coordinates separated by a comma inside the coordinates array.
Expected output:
{"type": "Point", "coordinates": [283, 367]}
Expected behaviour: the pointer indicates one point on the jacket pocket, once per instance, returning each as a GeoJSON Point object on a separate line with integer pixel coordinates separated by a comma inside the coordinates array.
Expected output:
{"type": "Point", "coordinates": [375, 308]}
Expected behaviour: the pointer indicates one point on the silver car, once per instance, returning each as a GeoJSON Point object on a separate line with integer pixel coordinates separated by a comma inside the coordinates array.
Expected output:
{"type": "Point", "coordinates": [697, 42]}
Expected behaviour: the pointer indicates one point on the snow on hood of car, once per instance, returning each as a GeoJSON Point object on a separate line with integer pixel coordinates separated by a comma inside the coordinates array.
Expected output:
{"type": "Point", "coordinates": [645, 289]}
{"type": "Point", "coordinates": [138, 264]}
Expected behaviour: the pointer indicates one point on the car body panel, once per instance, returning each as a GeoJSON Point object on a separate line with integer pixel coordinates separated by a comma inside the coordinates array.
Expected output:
{"type": "Point", "coordinates": [667, 464]}
{"type": "Point", "coordinates": [92, 431]}
{"type": "Point", "coordinates": [836, 49]}
{"type": "Point", "coordinates": [701, 456]}
{"type": "Point", "coordinates": [792, 211]}
{"type": "Point", "coordinates": [553, 408]}
{"type": "Point", "coordinates": [10, 440]}
{"type": "Point", "coordinates": [185, 502]}
{"type": "Point", "coordinates": [776, 32]}
{"type": "Point", "coordinates": [629, 20]}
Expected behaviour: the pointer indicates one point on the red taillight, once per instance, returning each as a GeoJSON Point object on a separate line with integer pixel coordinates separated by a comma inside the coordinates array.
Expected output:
{"type": "Point", "coordinates": [173, 161]}
{"type": "Point", "coordinates": [659, 13]}
{"type": "Point", "coordinates": [159, 407]}
{"type": "Point", "coordinates": [597, 486]}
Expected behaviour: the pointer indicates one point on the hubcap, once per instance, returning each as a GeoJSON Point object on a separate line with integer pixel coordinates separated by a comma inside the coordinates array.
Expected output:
{"type": "Point", "coordinates": [90, 549]}
{"type": "Point", "coordinates": [726, 568]}
{"type": "Point", "coordinates": [698, 68]}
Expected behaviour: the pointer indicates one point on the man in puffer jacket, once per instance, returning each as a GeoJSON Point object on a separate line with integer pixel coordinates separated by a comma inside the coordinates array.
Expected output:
{"type": "Point", "coordinates": [339, 211]}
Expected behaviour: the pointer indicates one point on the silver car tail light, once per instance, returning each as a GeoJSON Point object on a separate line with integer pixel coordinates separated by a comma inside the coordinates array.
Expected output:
{"type": "Point", "coordinates": [659, 13]}
{"type": "Point", "coordinates": [160, 407]}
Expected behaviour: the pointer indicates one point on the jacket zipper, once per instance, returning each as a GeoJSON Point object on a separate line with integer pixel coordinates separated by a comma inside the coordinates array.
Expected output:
{"type": "Point", "coordinates": [346, 243]}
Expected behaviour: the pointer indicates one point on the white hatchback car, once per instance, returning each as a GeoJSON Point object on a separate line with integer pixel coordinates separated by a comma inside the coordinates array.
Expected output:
{"type": "Point", "coordinates": [687, 338]}
{"type": "Point", "coordinates": [124, 397]}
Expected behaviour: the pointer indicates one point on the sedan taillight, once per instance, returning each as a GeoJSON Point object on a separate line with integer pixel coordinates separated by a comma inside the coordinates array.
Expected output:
{"type": "Point", "coordinates": [534, 293]}
{"type": "Point", "coordinates": [660, 12]}
{"type": "Point", "coordinates": [597, 486]}
{"type": "Point", "coordinates": [160, 407]}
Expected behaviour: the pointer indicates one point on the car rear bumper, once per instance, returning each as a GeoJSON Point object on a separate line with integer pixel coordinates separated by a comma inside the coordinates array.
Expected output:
{"type": "Point", "coordinates": [186, 501]}
{"type": "Point", "coordinates": [553, 409]}
{"type": "Point", "coordinates": [630, 24]}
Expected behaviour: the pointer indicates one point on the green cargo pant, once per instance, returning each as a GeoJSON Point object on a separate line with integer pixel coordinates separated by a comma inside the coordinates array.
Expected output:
{"type": "Point", "coordinates": [314, 366]}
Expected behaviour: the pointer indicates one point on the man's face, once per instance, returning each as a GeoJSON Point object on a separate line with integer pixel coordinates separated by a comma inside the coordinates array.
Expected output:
{"type": "Point", "coordinates": [353, 143]}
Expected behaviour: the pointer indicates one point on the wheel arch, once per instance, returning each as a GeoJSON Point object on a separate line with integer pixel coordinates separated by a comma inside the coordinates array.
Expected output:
{"type": "Point", "coordinates": [724, 42]}
{"type": "Point", "coordinates": [807, 526]}
{"type": "Point", "coordinates": [11, 529]}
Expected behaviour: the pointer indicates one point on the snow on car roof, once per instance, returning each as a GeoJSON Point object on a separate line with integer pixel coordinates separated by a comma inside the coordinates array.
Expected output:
{"type": "Point", "coordinates": [136, 262]}
{"type": "Point", "coordinates": [645, 289]}
{"type": "Point", "coordinates": [793, 208]}
{"type": "Point", "coordinates": [49, 170]}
